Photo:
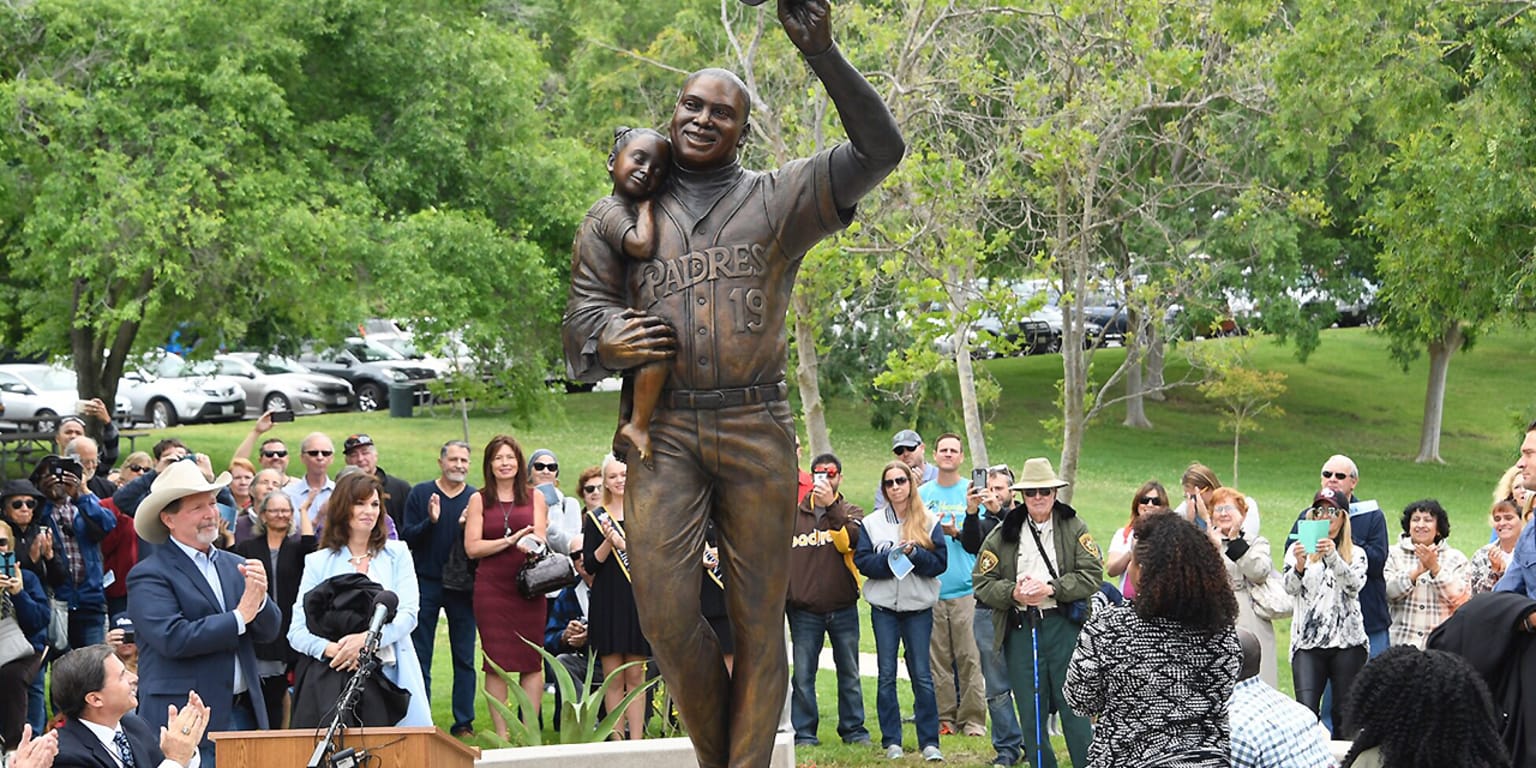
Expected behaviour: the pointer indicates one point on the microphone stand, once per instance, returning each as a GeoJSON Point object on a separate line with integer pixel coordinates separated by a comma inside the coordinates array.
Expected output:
{"type": "Point", "coordinates": [368, 662]}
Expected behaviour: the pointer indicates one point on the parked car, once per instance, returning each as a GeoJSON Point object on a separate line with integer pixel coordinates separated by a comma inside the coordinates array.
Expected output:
{"type": "Point", "coordinates": [371, 368]}
{"type": "Point", "coordinates": [277, 383]}
{"type": "Point", "coordinates": [164, 391]}
{"type": "Point", "coordinates": [42, 392]}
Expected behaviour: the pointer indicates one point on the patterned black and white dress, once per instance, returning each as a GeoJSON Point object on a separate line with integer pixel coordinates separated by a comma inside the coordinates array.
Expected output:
{"type": "Point", "coordinates": [1159, 689]}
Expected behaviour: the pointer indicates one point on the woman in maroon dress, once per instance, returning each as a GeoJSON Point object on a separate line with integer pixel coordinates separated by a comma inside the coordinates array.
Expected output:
{"type": "Point", "coordinates": [501, 522]}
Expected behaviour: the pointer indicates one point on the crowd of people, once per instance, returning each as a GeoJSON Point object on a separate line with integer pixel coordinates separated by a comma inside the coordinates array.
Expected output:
{"type": "Point", "coordinates": [156, 594]}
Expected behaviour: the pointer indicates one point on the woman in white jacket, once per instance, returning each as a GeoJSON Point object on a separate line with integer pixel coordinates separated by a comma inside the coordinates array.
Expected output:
{"type": "Point", "coordinates": [901, 554]}
{"type": "Point", "coordinates": [1248, 568]}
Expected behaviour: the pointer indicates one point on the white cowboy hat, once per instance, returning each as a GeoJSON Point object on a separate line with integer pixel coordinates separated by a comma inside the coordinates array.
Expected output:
{"type": "Point", "coordinates": [182, 478]}
{"type": "Point", "coordinates": [1038, 473]}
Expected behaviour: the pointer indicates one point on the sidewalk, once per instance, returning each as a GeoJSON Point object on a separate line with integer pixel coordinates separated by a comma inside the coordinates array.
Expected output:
{"type": "Point", "coordinates": [868, 665]}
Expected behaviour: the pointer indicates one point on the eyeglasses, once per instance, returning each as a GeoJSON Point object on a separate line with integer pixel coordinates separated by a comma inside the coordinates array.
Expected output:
{"type": "Point", "coordinates": [5, 542]}
{"type": "Point", "coordinates": [540, 466]}
{"type": "Point", "coordinates": [136, 468]}
{"type": "Point", "coordinates": [23, 503]}
{"type": "Point", "coordinates": [1150, 501]}
{"type": "Point", "coordinates": [318, 454]}
{"type": "Point", "coordinates": [273, 454]}
{"type": "Point", "coordinates": [1335, 475]}
{"type": "Point", "coordinates": [591, 488]}
{"type": "Point", "coordinates": [1031, 493]}
{"type": "Point", "coordinates": [892, 482]}
{"type": "Point", "coordinates": [1321, 513]}
{"type": "Point", "coordinates": [830, 472]}
{"type": "Point", "coordinates": [902, 450]}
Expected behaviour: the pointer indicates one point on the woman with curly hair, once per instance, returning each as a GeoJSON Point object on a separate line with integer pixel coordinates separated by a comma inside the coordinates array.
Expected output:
{"type": "Point", "coordinates": [1328, 640]}
{"type": "Point", "coordinates": [1423, 709]}
{"type": "Point", "coordinates": [1426, 578]}
{"type": "Point", "coordinates": [1150, 498]}
{"type": "Point", "coordinates": [1490, 560]}
{"type": "Point", "coordinates": [1182, 619]}
{"type": "Point", "coordinates": [901, 554]}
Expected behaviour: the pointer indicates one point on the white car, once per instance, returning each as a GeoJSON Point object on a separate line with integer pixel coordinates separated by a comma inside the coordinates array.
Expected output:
{"type": "Point", "coordinates": [42, 392]}
{"type": "Point", "coordinates": [165, 391]}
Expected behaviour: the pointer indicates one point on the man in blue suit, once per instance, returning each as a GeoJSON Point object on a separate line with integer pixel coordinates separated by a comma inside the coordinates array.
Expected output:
{"type": "Point", "coordinates": [95, 693]}
{"type": "Point", "coordinates": [198, 611]}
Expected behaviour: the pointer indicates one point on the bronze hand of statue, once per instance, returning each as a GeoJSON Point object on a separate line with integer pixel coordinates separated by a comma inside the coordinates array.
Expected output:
{"type": "Point", "coordinates": [633, 338]}
{"type": "Point", "coordinates": [808, 24]}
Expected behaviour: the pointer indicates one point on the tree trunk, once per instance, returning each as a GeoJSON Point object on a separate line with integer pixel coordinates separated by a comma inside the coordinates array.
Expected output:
{"type": "Point", "coordinates": [1135, 405]}
{"type": "Point", "coordinates": [1440, 352]}
{"type": "Point", "coordinates": [1237, 439]}
{"type": "Point", "coordinates": [974, 434]}
{"type": "Point", "coordinates": [1074, 387]}
{"type": "Point", "coordinates": [1155, 349]}
{"type": "Point", "coordinates": [808, 378]}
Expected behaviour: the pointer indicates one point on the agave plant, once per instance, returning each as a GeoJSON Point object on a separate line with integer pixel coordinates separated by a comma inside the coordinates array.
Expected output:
{"type": "Point", "coordinates": [579, 705]}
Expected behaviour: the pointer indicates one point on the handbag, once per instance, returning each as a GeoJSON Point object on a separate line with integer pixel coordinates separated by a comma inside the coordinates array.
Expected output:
{"type": "Point", "coordinates": [543, 572]}
{"type": "Point", "coordinates": [58, 625]}
{"type": "Point", "coordinates": [13, 642]}
{"type": "Point", "coordinates": [1270, 600]}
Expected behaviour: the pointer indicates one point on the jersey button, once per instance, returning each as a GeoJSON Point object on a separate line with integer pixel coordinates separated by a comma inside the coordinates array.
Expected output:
{"type": "Point", "coordinates": [703, 331]}
{"type": "Point", "coordinates": [703, 301]}
{"type": "Point", "coordinates": [704, 362]}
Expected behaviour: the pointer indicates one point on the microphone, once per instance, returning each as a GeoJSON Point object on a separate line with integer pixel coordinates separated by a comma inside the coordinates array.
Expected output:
{"type": "Point", "coordinates": [385, 604]}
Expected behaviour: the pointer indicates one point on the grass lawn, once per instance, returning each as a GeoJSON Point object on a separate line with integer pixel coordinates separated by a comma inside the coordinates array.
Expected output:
{"type": "Point", "coordinates": [1349, 398]}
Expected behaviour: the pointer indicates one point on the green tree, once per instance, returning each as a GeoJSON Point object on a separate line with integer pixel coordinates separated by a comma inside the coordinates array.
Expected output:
{"type": "Point", "coordinates": [1244, 392]}
{"type": "Point", "coordinates": [1415, 123]}
{"type": "Point", "coordinates": [260, 173]}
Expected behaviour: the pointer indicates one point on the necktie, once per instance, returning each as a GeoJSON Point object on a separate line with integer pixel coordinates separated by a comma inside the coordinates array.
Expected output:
{"type": "Point", "coordinates": [123, 750]}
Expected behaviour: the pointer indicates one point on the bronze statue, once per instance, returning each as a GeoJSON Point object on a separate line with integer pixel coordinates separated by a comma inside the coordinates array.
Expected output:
{"type": "Point", "coordinates": [711, 303]}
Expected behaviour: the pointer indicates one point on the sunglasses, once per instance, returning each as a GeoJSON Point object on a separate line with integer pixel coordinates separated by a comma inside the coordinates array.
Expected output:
{"type": "Point", "coordinates": [5, 542]}
{"type": "Point", "coordinates": [902, 450]}
{"type": "Point", "coordinates": [1334, 475]}
{"type": "Point", "coordinates": [591, 488]}
{"type": "Point", "coordinates": [1151, 501]}
{"type": "Point", "coordinates": [318, 454]}
{"type": "Point", "coordinates": [830, 472]}
{"type": "Point", "coordinates": [540, 466]}
{"type": "Point", "coordinates": [1322, 513]}
{"type": "Point", "coordinates": [273, 454]}
{"type": "Point", "coordinates": [1032, 493]}
{"type": "Point", "coordinates": [23, 503]}
{"type": "Point", "coordinates": [136, 468]}
{"type": "Point", "coordinates": [892, 482]}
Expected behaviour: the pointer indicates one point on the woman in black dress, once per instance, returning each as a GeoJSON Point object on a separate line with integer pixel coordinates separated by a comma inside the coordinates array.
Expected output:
{"type": "Point", "coordinates": [615, 624]}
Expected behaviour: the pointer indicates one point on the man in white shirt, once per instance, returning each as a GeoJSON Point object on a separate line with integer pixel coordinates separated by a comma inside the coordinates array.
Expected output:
{"type": "Point", "coordinates": [97, 696]}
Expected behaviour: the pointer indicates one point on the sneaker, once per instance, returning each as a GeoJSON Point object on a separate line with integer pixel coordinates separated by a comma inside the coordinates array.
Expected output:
{"type": "Point", "coordinates": [975, 730]}
{"type": "Point", "coordinates": [1053, 725]}
{"type": "Point", "coordinates": [946, 728]}
{"type": "Point", "coordinates": [861, 739]}
{"type": "Point", "coordinates": [1005, 760]}
{"type": "Point", "coordinates": [893, 752]}
{"type": "Point", "coordinates": [932, 754]}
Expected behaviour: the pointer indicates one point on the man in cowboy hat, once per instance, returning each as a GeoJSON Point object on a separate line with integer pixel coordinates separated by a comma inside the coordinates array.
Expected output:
{"type": "Point", "coordinates": [198, 611]}
{"type": "Point", "coordinates": [1042, 559]}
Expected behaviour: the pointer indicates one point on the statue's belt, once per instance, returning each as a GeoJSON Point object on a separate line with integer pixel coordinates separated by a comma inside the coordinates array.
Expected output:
{"type": "Point", "coordinates": [715, 399]}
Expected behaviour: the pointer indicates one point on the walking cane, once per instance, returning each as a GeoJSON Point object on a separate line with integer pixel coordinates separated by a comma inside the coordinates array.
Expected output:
{"type": "Point", "coordinates": [1033, 615]}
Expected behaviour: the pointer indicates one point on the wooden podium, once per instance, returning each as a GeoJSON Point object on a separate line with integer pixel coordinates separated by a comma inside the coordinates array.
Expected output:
{"type": "Point", "coordinates": [393, 747]}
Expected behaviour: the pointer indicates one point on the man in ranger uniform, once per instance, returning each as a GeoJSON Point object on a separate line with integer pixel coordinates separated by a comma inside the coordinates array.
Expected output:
{"type": "Point", "coordinates": [712, 303]}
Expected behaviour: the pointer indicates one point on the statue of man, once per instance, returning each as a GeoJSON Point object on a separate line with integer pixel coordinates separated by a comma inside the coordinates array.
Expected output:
{"type": "Point", "coordinates": [712, 304]}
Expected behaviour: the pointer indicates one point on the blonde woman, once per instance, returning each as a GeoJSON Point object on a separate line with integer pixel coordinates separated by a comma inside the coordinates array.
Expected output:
{"type": "Point", "coordinates": [1248, 566]}
{"type": "Point", "coordinates": [1490, 561]}
{"type": "Point", "coordinates": [1328, 640]}
{"type": "Point", "coordinates": [901, 554]}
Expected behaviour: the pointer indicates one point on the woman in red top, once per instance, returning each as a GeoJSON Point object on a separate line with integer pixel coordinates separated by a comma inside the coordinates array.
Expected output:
{"type": "Point", "coordinates": [504, 520]}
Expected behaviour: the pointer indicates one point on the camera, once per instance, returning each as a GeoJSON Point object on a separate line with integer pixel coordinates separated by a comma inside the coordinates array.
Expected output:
{"type": "Point", "coordinates": [281, 416]}
{"type": "Point", "coordinates": [979, 477]}
{"type": "Point", "coordinates": [820, 477]}
{"type": "Point", "coordinates": [127, 637]}
{"type": "Point", "coordinates": [7, 563]}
